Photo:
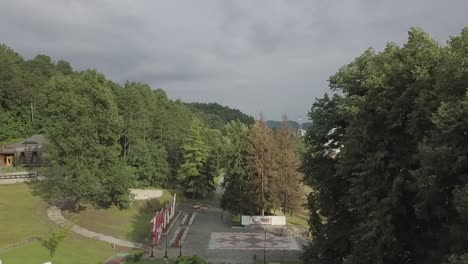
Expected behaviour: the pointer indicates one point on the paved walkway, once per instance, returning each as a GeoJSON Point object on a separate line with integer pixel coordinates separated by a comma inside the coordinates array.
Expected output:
{"type": "Point", "coordinates": [201, 239]}
{"type": "Point", "coordinates": [55, 215]}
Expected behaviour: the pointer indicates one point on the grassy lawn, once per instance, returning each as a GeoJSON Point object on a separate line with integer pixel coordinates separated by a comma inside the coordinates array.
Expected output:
{"type": "Point", "coordinates": [131, 224]}
{"type": "Point", "coordinates": [301, 218]}
{"type": "Point", "coordinates": [22, 216]}
{"type": "Point", "coordinates": [12, 169]}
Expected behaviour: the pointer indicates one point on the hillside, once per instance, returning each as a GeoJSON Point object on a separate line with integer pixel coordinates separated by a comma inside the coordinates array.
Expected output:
{"type": "Point", "coordinates": [225, 113]}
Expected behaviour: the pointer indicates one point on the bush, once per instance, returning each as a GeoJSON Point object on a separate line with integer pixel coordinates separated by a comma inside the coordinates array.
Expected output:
{"type": "Point", "coordinates": [458, 259]}
{"type": "Point", "coordinates": [191, 260]}
{"type": "Point", "coordinates": [136, 255]}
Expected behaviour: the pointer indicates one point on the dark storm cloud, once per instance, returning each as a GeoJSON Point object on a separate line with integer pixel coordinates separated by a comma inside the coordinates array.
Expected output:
{"type": "Point", "coordinates": [269, 56]}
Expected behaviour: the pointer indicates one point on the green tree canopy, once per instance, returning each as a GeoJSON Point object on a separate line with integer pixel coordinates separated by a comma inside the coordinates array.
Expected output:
{"type": "Point", "coordinates": [235, 143]}
{"type": "Point", "coordinates": [83, 135]}
{"type": "Point", "coordinates": [387, 157]}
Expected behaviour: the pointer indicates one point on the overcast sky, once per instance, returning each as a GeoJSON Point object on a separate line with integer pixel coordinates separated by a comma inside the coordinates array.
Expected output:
{"type": "Point", "coordinates": [267, 56]}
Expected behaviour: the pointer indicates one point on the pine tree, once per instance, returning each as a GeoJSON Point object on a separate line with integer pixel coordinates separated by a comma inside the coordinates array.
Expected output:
{"type": "Point", "coordinates": [195, 153]}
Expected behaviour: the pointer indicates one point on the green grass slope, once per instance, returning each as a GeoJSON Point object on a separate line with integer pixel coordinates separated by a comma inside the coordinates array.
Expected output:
{"type": "Point", "coordinates": [23, 216]}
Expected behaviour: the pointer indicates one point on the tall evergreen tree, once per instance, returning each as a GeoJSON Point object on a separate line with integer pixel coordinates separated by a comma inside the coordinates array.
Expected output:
{"type": "Point", "coordinates": [236, 171]}
{"type": "Point", "coordinates": [195, 153]}
{"type": "Point", "coordinates": [212, 166]}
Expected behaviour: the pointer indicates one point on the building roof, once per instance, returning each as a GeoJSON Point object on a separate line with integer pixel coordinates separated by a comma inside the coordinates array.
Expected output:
{"type": "Point", "coordinates": [35, 140]}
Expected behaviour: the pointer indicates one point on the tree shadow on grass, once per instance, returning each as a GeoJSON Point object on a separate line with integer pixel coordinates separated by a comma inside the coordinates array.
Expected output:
{"type": "Point", "coordinates": [41, 189]}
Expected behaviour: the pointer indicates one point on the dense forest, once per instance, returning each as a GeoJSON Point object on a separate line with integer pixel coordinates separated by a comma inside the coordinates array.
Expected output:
{"type": "Point", "coordinates": [387, 157]}
{"type": "Point", "coordinates": [104, 138]}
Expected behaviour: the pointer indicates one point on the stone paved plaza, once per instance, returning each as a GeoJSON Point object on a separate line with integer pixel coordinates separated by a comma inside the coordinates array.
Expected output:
{"type": "Point", "coordinates": [251, 241]}
{"type": "Point", "coordinates": [212, 237]}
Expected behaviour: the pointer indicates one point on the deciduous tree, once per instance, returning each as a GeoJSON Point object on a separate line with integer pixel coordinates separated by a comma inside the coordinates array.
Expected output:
{"type": "Point", "coordinates": [289, 179]}
{"type": "Point", "coordinates": [394, 190]}
{"type": "Point", "coordinates": [83, 141]}
{"type": "Point", "coordinates": [262, 163]}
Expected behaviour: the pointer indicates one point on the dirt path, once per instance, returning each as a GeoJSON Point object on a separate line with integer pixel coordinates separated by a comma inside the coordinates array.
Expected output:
{"type": "Point", "coordinates": [55, 215]}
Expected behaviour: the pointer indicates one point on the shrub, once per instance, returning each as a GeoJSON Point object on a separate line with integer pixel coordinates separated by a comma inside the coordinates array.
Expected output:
{"type": "Point", "coordinates": [136, 255]}
{"type": "Point", "coordinates": [191, 260]}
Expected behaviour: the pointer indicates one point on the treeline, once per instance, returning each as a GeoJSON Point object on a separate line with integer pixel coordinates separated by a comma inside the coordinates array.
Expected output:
{"type": "Point", "coordinates": [219, 115]}
{"type": "Point", "coordinates": [387, 157]}
{"type": "Point", "coordinates": [293, 124]}
{"type": "Point", "coordinates": [261, 169]}
{"type": "Point", "coordinates": [104, 138]}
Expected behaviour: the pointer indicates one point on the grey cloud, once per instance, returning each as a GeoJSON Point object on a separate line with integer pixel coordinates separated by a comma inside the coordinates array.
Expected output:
{"type": "Point", "coordinates": [269, 56]}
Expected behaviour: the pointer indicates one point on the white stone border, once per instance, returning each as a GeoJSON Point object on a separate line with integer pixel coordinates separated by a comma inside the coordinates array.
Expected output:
{"type": "Point", "coordinates": [174, 237]}
{"type": "Point", "coordinates": [192, 218]}
{"type": "Point", "coordinates": [184, 219]}
{"type": "Point", "coordinates": [184, 235]}
{"type": "Point", "coordinates": [146, 194]}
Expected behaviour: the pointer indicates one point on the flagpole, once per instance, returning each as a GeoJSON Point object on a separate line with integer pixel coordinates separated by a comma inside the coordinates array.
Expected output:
{"type": "Point", "coordinates": [152, 234]}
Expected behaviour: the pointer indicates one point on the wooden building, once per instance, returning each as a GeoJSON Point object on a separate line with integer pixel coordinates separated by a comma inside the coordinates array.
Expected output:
{"type": "Point", "coordinates": [27, 153]}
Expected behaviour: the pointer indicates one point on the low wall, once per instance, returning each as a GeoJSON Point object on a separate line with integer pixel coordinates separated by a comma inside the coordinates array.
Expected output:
{"type": "Point", "coordinates": [263, 220]}
{"type": "Point", "coordinates": [19, 177]}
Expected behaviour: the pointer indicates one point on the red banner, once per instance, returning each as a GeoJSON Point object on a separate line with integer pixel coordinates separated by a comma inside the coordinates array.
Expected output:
{"type": "Point", "coordinates": [161, 220]}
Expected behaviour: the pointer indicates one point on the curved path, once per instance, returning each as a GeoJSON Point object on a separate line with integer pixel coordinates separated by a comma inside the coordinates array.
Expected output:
{"type": "Point", "coordinates": [55, 215]}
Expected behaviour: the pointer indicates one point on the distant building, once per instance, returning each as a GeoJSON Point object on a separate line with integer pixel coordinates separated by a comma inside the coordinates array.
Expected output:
{"type": "Point", "coordinates": [27, 153]}
{"type": "Point", "coordinates": [301, 132]}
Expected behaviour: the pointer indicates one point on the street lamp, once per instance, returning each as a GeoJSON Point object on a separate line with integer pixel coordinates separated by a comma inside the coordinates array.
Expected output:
{"type": "Point", "coordinates": [180, 248]}
{"type": "Point", "coordinates": [152, 249]}
{"type": "Point", "coordinates": [264, 250]}
{"type": "Point", "coordinates": [152, 235]}
{"type": "Point", "coordinates": [165, 253]}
